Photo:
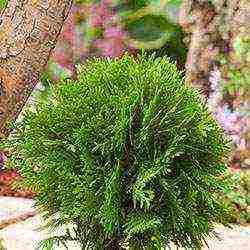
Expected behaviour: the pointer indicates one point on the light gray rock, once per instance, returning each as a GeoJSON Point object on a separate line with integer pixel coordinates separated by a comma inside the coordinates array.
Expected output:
{"type": "Point", "coordinates": [26, 236]}
{"type": "Point", "coordinates": [11, 208]}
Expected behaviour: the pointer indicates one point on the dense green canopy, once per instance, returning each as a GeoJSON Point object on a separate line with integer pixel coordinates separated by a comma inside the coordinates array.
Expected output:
{"type": "Point", "coordinates": [127, 153]}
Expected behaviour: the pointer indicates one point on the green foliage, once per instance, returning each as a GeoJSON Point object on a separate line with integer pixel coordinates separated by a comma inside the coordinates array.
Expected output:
{"type": "Point", "coordinates": [127, 154]}
{"type": "Point", "coordinates": [238, 75]}
{"type": "Point", "coordinates": [2, 245]}
{"type": "Point", "coordinates": [3, 3]}
{"type": "Point", "coordinates": [175, 48]}
{"type": "Point", "coordinates": [239, 196]}
{"type": "Point", "coordinates": [149, 27]}
{"type": "Point", "coordinates": [46, 82]}
{"type": "Point", "coordinates": [151, 24]}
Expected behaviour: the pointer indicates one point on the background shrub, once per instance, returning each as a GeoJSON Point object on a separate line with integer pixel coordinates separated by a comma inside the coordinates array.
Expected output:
{"type": "Point", "coordinates": [239, 196]}
{"type": "Point", "coordinates": [127, 154]}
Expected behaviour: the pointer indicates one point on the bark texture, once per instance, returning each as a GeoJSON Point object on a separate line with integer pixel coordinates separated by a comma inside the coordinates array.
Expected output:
{"type": "Point", "coordinates": [201, 21]}
{"type": "Point", "coordinates": [28, 33]}
{"type": "Point", "coordinates": [219, 54]}
{"type": "Point", "coordinates": [213, 27]}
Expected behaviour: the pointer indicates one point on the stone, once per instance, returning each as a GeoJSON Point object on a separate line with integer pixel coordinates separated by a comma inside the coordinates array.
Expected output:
{"type": "Point", "coordinates": [13, 208]}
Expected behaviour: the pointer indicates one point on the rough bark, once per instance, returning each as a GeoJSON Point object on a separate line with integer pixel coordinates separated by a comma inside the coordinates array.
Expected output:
{"type": "Point", "coordinates": [212, 30]}
{"type": "Point", "coordinates": [200, 20]}
{"type": "Point", "coordinates": [215, 29]}
{"type": "Point", "coordinates": [28, 33]}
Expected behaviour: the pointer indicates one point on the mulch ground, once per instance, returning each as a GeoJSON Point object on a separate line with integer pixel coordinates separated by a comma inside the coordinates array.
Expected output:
{"type": "Point", "coordinates": [7, 178]}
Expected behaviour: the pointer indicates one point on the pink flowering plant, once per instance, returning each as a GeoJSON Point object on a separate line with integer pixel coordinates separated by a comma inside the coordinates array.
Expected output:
{"type": "Point", "coordinates": [108, 28]}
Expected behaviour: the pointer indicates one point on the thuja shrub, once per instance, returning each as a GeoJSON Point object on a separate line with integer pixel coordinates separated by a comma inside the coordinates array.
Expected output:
{"type": "Point", "coordinates": [127, 154]}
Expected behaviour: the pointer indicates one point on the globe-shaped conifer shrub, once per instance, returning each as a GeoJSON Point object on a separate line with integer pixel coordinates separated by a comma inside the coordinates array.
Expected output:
{"type": "Point", "coordinates": [128, 155]}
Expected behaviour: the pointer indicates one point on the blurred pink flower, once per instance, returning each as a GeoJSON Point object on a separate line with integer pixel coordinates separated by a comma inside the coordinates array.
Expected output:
{"type": "Point", "coordinates": [100, 13]}
{"type": "Point", "coordinates": [114, 32]}
{"type": "Point", "coordinates": [110, 47]}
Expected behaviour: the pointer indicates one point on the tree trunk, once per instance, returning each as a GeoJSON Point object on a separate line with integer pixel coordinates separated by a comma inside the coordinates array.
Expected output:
{"type": "Point", "coordinates": [28, 33]}
{"type": "Point", "coordinates": [199, 20]}
{"type": "Point", "coordinates": [212, 29]}
{"type": "Point", "coordinates": [219, 57]}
